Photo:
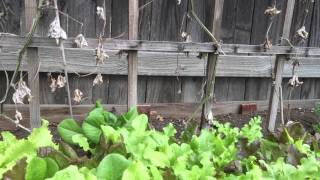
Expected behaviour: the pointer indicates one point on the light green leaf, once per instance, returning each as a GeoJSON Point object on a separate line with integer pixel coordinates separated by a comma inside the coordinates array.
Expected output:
{"type": "Point", "coordinates": [69, 173]}
{"type": "Point", "coordinates": [169, 130]}
{"type": "Point", "coordinates": [156, 158]}
{"type": "Point", "coordinates": [93, 133]}
{"type": "Point", "coordinates": [52, 167]}
{"type": "Point", "coordinates": [36, 169]}
{"type": "Point", "coordinates": [82, 141]}
{"type": "Point", "coordinates": [131, 114]}
{"type": "Point", "coordinates": [110, 134]}
{"type": "Point", "coordinates": [136, 171]}
{"type": "Point", "coordinates": [112, 167]}
{"type": "Point", "coordinates": [68, 128]}
{"type": "Point", "coordinates": [88, 174]}
{"type": "Point", "coordinates": [156, 174]}
{"type": "Point", "coordinates": [42, 137]}
{"type": "Point", "coordinates": [140, 123]}
{"type": "Point", "coordinates": [15, 152]}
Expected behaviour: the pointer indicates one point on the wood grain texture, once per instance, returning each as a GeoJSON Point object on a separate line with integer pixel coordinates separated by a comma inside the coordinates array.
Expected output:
{"type": "Point", "coordinates": [229, 16]}
{"type": "Point", "coordinates": [161, 64]}
{"type": "Point", "coordinates": [276, 90]}
{"type": "Point", "coordinates": [163, 46]}
{"type": "Point", "coordinates": [10, 19]}
{"type": "Point", "coordinates": [120, 20]}
{"type": "Point", "coordinates": [221, 89]}
{"type": "Point", "coordinates": [100, 92]}
{"type": "Point", "coordinates": [33, 62]}
{"type": "Point", "coordinates": [314, 40]}
{"type": "Point", "coordinates": [192, 27]}
{"type": "Point", "coordinates": [133, 55]}
{"type": "Point", "coordinates": [167, 19]}
{"type": "Point", "coordinates": [46, 95]}
{"type": "Point", "coordinates": [118, 90]}
{"type": "Point", "coordinates": [145, 15]}
{"type": "Point", "coordinates": [243, 24]}
{"type": "Point", "coordinates": [260, 22]}
{"type": "Point", "coordinates": [192, 89]}
{"type": "Point", "coordinates": [257, 89]}
{"type": "Point", "coordinates": [163, 90]}
{"type": "Point", "coordinates": [298, 20]}
{"type": "Point", "coordinates": [82, 10]}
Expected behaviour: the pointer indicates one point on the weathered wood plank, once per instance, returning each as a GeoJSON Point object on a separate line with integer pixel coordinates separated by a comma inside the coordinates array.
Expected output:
{"type": "Point", "coordinates": [10, 16]}
{"type": "Point", "coordinates": [145, 14]}
{"type": "Point", "coordinates": [243, 26]}
{"type": "Point", "coordinates": [163, 46]}
{"type": "Point", "coordinates": [163, 90]}
{"type": "Point", "coordinates": [167, 19]}
{"type": "Point", "coordinates": [118, 90]}
{"type": "Point", "coordinates": [162, 64]}
{"type": "Point", "coordinates": [314, 40]}
{"type": "Point", "coordinates": [308, 88]}
{"type": "Point", "coordinates": [100, 92]}
{"type": "Point", "coordinates": [46, 95]}
{"type": "Point", "coordinates": [82, 10]}
{"type": "Point", "coordinates": [120, 20]}
{"type": "Point", "coordinates": [302, 16]}
{"type": "Point", "coordinates": [192, 89]}
{"type": "Point", "coordinates": [229, 17]}
{"type": "Point", "coordinates": [236, 89]}
{"type": "Point", "coordinates": [257, 89]}
{"type": "Point", "coordinates": [260, 22]}
{"type": "Point", "coordinates": [192, 27]}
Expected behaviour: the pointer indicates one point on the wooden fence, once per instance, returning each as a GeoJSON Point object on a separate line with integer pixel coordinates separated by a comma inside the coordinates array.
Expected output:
{"type": "Point", "coordinates": [241, 77]}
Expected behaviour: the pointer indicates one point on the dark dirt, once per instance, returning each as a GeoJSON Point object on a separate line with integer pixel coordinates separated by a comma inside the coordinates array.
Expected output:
{"type": "Point", "coordinates": [305, 116]}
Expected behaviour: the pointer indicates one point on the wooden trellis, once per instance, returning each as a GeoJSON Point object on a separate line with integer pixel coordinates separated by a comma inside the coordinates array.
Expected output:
{"type": "Point", "coordinates": [135, 48]}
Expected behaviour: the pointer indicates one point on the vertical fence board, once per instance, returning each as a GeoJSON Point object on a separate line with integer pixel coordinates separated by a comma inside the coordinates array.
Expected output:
{"type": "Point", "coordinates": [314, 32]}
{"type": "Point", "coordinates": [120, 21]}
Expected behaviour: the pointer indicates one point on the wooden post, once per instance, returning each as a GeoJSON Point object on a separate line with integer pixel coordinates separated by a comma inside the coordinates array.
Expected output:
{"type": "Point", "coordinates": [33, 65]}
{"type": "Point", "coordinates": [280, 61]}
{"type": "Point", "coordinates": [207, 110]}
{"type": "Point", "coordinates": [133, 55]}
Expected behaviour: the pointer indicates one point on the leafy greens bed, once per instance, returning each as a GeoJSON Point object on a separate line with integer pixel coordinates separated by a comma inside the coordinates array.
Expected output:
{"type": "Point", "coordinates": [112, 147]}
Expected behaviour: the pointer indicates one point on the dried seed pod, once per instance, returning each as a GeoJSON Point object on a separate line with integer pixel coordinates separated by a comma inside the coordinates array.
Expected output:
{"type": "Point", "coordinates": [21, 91]}
{"type": "Point", "coordinates": [100, 13]}
{"type": "Point", "coordinates": [267, 44]}
{"type": "Point", "coordinates": [61, 81]}
{"type": "Point", "coordinates": [80, 41]}
{"type": "Point", "coordinates": [294, 81]}
{"type": "Point", "coordinates": [53, 84]}
{"type": "Point", "coordinates": [18, 117]}
{"type": "Point", "coordinates": [98, 80]}
{"type": "Point", "coordinates": [184, 34]}
{"type": "Point", "coordinates": [56, 32]}
{"type": "Point", "coordinates": [272, 11]}
{"type": "Point", "coordinates": [77, 95]}
{"type": "Point", "coordinates": [100, 55]}
{"type": "Point", "coordinates": [302, 33]}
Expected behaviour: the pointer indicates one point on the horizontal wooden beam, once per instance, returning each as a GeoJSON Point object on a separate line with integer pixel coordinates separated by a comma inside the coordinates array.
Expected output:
{"type": "Point", "coordinates": [163, 46]}
{"type": "Point", "coordinates": [173, 111]}
{"type": "Point", "coordinates": [159, 64]}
